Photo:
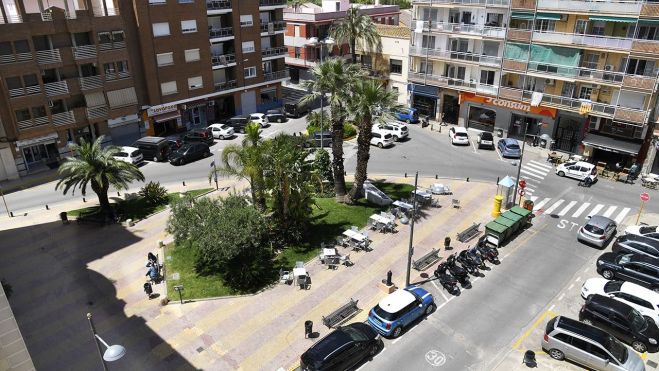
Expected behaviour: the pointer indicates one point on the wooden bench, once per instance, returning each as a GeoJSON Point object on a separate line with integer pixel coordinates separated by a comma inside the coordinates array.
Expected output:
{"type": "Point", "coordinates": [426, 261]}
{"type": "Point", "coordinates": [469, 233]}
{"type": "Point", "coordinates": [342, 314]}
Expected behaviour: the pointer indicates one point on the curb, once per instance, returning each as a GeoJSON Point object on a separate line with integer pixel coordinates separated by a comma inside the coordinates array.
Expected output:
{"type": "Point", "coordinates": [23, 185]}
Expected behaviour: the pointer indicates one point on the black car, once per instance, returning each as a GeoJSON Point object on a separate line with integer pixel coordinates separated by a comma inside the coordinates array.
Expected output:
{"type": "Point", "coordinates": [315, 140]}
{"type": "Point", "coordinates": [189, 152]}
{"type": "Point", "coordinates": [276, 115]}
{"type": "Point", "coordinates": [621, 321]}
{"type": "Point", "coordinates": [635, 244]}
{"type": "Point", "coordinates": [198, 136]}
{"type": "Point", "coordinates": [640, 269]}
{"type": "Point", "coordinates": [296, 109]}
{"type": "Point", "coordinates": [175, 144]}
{"type": "Point", "coordinates": [238, 123]}
{"type": "Point", "coordinates": [342, 349]}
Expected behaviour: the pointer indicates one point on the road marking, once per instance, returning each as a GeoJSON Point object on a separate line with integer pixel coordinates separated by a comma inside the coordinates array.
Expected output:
{"type": "Point", "coordinates": [552, 307]}
{"type": "Point", "coordinates": [533, 198]}
{"type": "Point", "coordinates": [499, 154]}
{"type": "Point", "coordinates": [585, 270]}
{"type": "Point", "coordinates": [567, 208]}
{"type": "Point", "coordinates": [595, 210]}
{"type": "Point", "coordinates": [578, 279]}
{"type": "Point", "coordinates": [622, 215]}
{"type": "Point", "coordinates": [396, 340]}
{"type": "Point", "coordinates": [539, 169]}
{"type": "Point", "coordinates": [474, 145]}
{"type": "Point", "coordinates": [435, 358]}
{"type": "Point", "coordinates": [570, 287]}
{"type": "Point", "coordinates": [535, 324]}
{"type": "Point", "coordinates": [561, 297]}
{"type": "Point", "coordinates": [610, 211]}
{"type": "Point", "coordinates": [540, 164]}
{"type": "Point", "coordinates": [580, 210]}
{"type": "Point", "coordinates": [553, 207]}
{"type": "Point", "coordinates": [523, 171]}
{"type": "Point", "coordinates": [540, 204]}
{"type": "Point", "coordinates": [535, 171]}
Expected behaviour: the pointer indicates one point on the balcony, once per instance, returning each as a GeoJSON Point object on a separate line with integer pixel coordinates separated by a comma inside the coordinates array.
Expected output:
{"type": "Point", "coordinates": [48, 56]}
{"type": "Point", "coordinates": [225, 85]}
{"type": "Point", "coordinates": [595, 41]}
{"type": "Point", "coordinates": [28, 90]}
{"type": "Point", "coordinates": [104, 12]}
{"type": "Point", "coordinates": [218, 33]}
{"type": "Point", "coordinates": [90, 82]}
{"type": "Point", "coordinates": [510, 93]}
{"type": "Point", "coordinates": [650, 10]}
{"type": "Point", "coordinates": [645, 46]}
{"type": "Point", "coordinates": [273, 26]}
{"type": "Point", "coordinates": [275, 75]}
{"type": "Point", "coordinates": [513, 65]}
{"type": "Point", "coordinates": [639, 82]}
{"type": "Point", "coordinates": [84, 52]}
{"type": "Point", "coordinates": [573, 104]}
{"type": "Point", "coordinates": [595, 7]}
{"type": "Point", "coordinates": [218, 5]}
{"type": "Point", "coordinates": [119, 75]}
{"type": "Point", "coordinates": [630, 115]}
{"type": "Point", "coordinates": [300, 61]}
{"type": "Point", "coordinates": [223, 60]}
{"type": "Point", "coordinates": [112, 45]}
{"type": "Point", "coordinates": [34, 122]}
{"type": "Point", "coordinates": [577, 73]}
{"type": "Point", "coordinates": [449, 55]}
{"type": "Point", "coordinates": [466, 3]}
{"type": "Point", "coordinates": [15, 58]}
{"type": "Point", "coordinates": [63, 118]}
{"type": "Point", "coordinates": [520, 35]}
{"type": "Point", "coordinates": [523, 4]}
{"type": "Point", "coordinates": [270, 53]}
{"type": "Point", "coordinates": [96, 113]}
{"type": "Point", "coordinates": [266, 3]}
{"type": "Point", "coordinates": [461, 28]}
{"type": "Point", "coordinates": [444, 81]}
{"type": "Point", "coordinates": [56, 88]}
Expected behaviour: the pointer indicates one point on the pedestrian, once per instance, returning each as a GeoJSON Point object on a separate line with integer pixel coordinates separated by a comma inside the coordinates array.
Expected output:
{"type": "Point", "coordinates": [152, 260]}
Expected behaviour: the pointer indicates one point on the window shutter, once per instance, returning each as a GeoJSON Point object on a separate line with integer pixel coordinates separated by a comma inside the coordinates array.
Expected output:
{"type": "Point", "coordinates": [122, 97]}
{"type": "Point", "coordinates": [95, 99]}
{"type": "Point", "coordinates": [160, 29]}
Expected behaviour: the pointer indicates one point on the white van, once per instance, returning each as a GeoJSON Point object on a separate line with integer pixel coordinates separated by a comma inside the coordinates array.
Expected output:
{"type": "Point", "coordinates": [397, 131]}
{"type": "Point", "coordinates": [382, 139]}
{"type": "Point", "coordinates": [578, 170]}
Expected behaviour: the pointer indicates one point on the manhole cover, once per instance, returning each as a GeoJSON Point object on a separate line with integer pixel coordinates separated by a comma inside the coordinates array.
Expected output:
{"type": "Point", "coordinates": [200, 349]}
{"type": "Point", "coordinates": [176, 276]}
{"type": "Point", "coordinates": [652, 364]}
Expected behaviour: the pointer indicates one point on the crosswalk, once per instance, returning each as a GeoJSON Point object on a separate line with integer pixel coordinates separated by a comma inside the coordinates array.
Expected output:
{"type": "Point", "coordinates": [533, 172]}
{"type": "Point", "coordinates": [576, 209]}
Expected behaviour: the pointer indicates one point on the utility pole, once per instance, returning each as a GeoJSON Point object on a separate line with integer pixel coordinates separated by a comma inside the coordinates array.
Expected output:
{"type": "Point", "coordinates": [410, 250]}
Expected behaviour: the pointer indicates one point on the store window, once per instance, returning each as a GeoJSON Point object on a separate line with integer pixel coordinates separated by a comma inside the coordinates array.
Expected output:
{"type": "Point", "coordinates": [482, 118]}
{"type": "Point", "coordinates": [608, 126]}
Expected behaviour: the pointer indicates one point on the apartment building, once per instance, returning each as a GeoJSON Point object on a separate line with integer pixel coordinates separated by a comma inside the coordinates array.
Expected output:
{"type": "Point", "coordinates": [312, 21]}
{"type": "Point", "coordinates": [207, 60]}
{"type": "Point", "coordinates": [582, 72]}
{"type": "Point", "coordinates": [65, 75]}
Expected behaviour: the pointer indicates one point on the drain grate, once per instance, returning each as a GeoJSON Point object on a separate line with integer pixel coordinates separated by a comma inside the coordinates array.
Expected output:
{"type": "Point", "coordinates": [200, 349]}
{"type": "Point", "coordinates": [652, 364]}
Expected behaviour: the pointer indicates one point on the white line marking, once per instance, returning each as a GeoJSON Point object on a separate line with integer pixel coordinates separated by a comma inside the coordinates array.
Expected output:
{"type": "Point", "coordinates": [580, 210]}
{"type": "Point", "coordinates": [561, 297]}
{"type": "Point", "coordinates": [533, 198]}
{"type": "Point", "coordinates": [622, 215]}
{"type": "Point", "coordinates": [553, 207]}
{"type": "Point", "coordinates": [499, 154]}
{"type": "Point", "coordinates": [523, 171]}
{"type": "Point", "coordinates": [534, 170]}
{"type": "Point", "coordinates": [585, 270]}
{"type": "Point", "coordinates": [578, 279]}
{"type": "Point", "coordinates": [540, 204]}
{"type": "Point", "coordinates": [548, 167]}
{"type": "Point", "coordinates": [474, 145]}
{"type": "Point", "coordinates": [570, 287]}
{"type": "Point", "coordinates": [552, 307]}
{"type": "Point", "coordinates": [396, 340]}
{"type": "Point", "coordinates": [567, 208]}
{"type": "Point", "coordinates": [610, 211]}
{"type": "Point", "coordinates": [595, 210]}
{"type": "Point", "coordinates": [528, 189]}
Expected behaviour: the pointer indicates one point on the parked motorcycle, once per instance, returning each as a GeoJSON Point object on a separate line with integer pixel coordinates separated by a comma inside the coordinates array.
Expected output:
{"type": "Point", "coordinates": [489, 253]}
{"type": "Point", "coordinates": [447, 281]}
{"type": "Point", "coordinates": [472, 253]}
{"type": "Point", "coordinates": [457, 271]}
{"type": "Point", "coordinates": [468, 264]}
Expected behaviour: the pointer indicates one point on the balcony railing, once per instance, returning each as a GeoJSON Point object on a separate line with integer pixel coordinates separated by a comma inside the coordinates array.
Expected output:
{"type": "Point", "coordinates": [225, 85]}
{"type": "Point", "coordinates": [273, 26]}
{"type": "Point", "coordinates": [604, 42]}
{"type": "Point", "coordinates": [275, 75]}
{"type": "Point", "coordinates": [573, 104]}
{"type": "Point", "coordinates": [272, 2]}
{"type": "Point", "coordinates": [445, 81]}
{"type": "Point", "coordinates": [64, 118]}
{"type": "Point", "coordinates": [220, 32]}
{"type": "Point", "coordinates": [456, 56]}
{"type": "Point", "coordinates": [461, 28]}
{"type": "Point", "coordinates": [84, 52]}
{"type": "Point", "coordinates": [631, 115]}
{"type": "Point", "coordinates": [223, 60]}
{"type": "Point", "coordinates": [639, 82]}
{"type": "Point", "coordinates": [95, 113]}
{"type": "Point", "coordinates": [36, 121]}
{"type": "Point", "coordinates": [597, 7]}
{"type": "Point", "coordinates": [13, 58]}
{"type": "Point", "coordinates": [109, 76]}
{"type": "Point", "coordinates": [523, 4]}
{"type": "Point", "coordinates": [28, 90]}
{"type": "Point", "coordinates": [580, 73]}
{"type": "Point", "coordinates": [91, 82]}
{"type": "Point", "coordinates": [16, 18]}
{"type": "Point", "coordinates": [272, 52]}
{"type": "Point", "coordinates": [56, 88]}
{"type": "Point", "coordinates": [48, 56]}
{"type": "Point", "coordinates": [102, 12]}
{"type": "Point", "coordinates": [218, 4]}
{"type": "Point", "coordinates": [503, 3]}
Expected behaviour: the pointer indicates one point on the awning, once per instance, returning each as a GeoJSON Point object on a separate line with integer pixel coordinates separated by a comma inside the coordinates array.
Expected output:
{"type": "Point", "coordinates": [612, 19]}
{"type": "Point", "coordinates": [167, 116]}
{"type": "Point", "coordinates": [424, 90]}
{"type": "Point", "coordinates": [649, 21]}
{"type": "Point", "coordinates": [611, 144]}
{"type": "Point", "coordinates": [50, 138]}
{"type": "Point", "coordinates": [521, 15]}
{"type": "Point", "coordinates": [548, 16]}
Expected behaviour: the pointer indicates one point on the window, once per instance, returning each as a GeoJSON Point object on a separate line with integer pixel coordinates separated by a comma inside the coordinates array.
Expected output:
{"type": "Point", "coordinates": [298, 52]}
{"type": "Point", "coordinates": [640, 67]}
{"type": "Point", "coordinates": [104, 37]}
{"type": "Point", "coordinates": [192, 55]}
{"type": "Point", "coordinates": [597, 28]}
{"type": "Point", "coordinates": [482, 118]}
{"type": "Point", "coordinates": [195, 83]}
{"type": "Point", "coordinates": [246, 20]}
{"type": "Point", "coordinates": [426, 68]}
{"type": "Point", "coordinates": [165, 59]}
{"type": "Point", "coordinates": [108, 68]}
{"type": "Point", "coordinates": [428, 42]}
{"type": "Point", "coordinates": [14, 82]}
{"type": "Point", "coordinates": [580, 344]}
{"type": "Point", "coordinates": [122, 66]}
{"type": "Point", "coordinates": [585, 92]}
{"type": "Point", "coordinates": [248, 46]}
{"type": "Point", "coordinates": [580, 26]}
{"type": "Point", "coordinates": [118, 36]}
{"type": "Point", "coordinates": [545, 25]}
{"type": "Point", "coordinates": [591, 60]}
{"type": "Point", "coordinates": [22, 114]}
{"type": "Point", "coordinates": [250, 72]}
{"type": "Point", "coordinates": [160, 29]}
{"type": "Point", "coordinates": [487, 77]}
{"type": "Point", "coordinates": [396, 66]}
{"type": "Point", "coordinates": [189, 26]}
{"type": "Point", "coordinates": [168, 88]}
{"type": "Point", "coordinates": [297, 31]}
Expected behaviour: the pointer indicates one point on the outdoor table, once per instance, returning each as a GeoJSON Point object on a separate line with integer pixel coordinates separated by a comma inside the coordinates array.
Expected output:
{"type": "Point", "coordinates": [403, 205]}
{"type": "Point", "coordinates": [380, 219]}
{"type": "Point", "coordinates": [329, 252]}
{"type": "Point", "coordinates": [354, 235]}
{"type": "Point", "coordinates": [300, 275]}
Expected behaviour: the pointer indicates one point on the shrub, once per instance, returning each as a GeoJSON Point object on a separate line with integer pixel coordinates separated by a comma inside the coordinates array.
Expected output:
{"type": "Point", "coordinates": [154, 194]}
{"type": "Point", "coordinates": [349, 130]}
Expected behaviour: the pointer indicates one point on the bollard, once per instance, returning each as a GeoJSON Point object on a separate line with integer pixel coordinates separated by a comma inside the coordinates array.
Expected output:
{"type": "Point", "coordinates": [47, 208]}
{"type": "Point", "coordinates": [160, 243]}
{"type": "Point", "coordinates": [435, 176]}
{"type": "Point", "coordinates": [179, 288]}
{"type": "Point", "coordinates": [84, 200]}
{"type": "Point", "coordinates": [497, 180]}
{"type": "Point", "coordinates": [184, 183]}
{"type": "Point", "coordinates": [405, 175]}
{"type": "Point", "coordinates": [389, 274]}
{"type": "Point", "coordinates": [118, 194]}
{"type": "Point", "coordinates": [447, 243]}
{"type": "Point", "coordinates": [308, 329]}
{"type": "Point", "coordinates": [467, 179]}
{"type": "Point", "coordinates": [11, 214]}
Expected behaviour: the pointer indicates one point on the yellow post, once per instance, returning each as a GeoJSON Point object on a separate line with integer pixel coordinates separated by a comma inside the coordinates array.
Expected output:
{"type": "Point", "coordinates": [496, 210]}
{"type": "Point", "coordinates": [639, 212]}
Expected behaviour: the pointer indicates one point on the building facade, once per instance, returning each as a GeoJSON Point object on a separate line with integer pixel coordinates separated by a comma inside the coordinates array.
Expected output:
{"type": "Point", "coordinates": [583, 73]}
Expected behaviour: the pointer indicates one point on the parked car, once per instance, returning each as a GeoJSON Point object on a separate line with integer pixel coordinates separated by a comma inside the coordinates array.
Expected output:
{"type": "Point", "coordinates": [485, 139]}
{"type": "Point", "coordinates": [638, 297]}
{"type": "Point", "coordinates": [397, 131]}
{"type": "Point", "coordinates": [640, 269]}
{"type": "Point", "coordinates": [458, 135]}
{"type": "Point", "coordinates": [651, 231]}
{"type": "Point", "coordinates": [342, 348]}
{"type": "Point", "coordinates": [297, 109]}
{"type": "Point", "coordinates": [221, 131]}
{"type": "Point", "coordinates": [238, 123]}
{"type": "Point", "coordinates": [509, 148]}
{"type": "Point", "coordinates": [578, 170]}
{"type": "Point", "coordinates": [635, 244]}
{"type": "Point", "coordinates": [260, 118]}
{"type": "Point", "coordinates": [408, 115]}
{"type": "Point", "coordinates": [622, 321]}
{"type": "Point", "coordinates": [131, 155]}
{"type": "Point", "coordinates": [399, 309]}
{"type": "Point", "coordinates": [382, 140]}
{"type": "Point", "coordinates": [199, 136]}
{"type": "Point", "coordinates": [175, 143]}
{"type": "Point", "coordinates": [276, 115]}
{"type": "Point", "coordinates": [189, 152]}
{"type": "Point", "coordinates": [315, 140]}
{"type": "Point", "coordinates": [597, 231]}
{"type": "Point", "coordinates": [154, 148]}
{"type": "Point", "coordinates": [588, 346]}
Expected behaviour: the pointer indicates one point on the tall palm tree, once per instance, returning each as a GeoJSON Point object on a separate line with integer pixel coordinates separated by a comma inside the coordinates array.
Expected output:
{"type": "Point", "coordinates": [371, 104]}
{"type": "Point", "coordinates": [336, 78]}
{"type": "Point", "coordinates": [97, 167]}
{"type": "Point", "coordinates": [356, 27]}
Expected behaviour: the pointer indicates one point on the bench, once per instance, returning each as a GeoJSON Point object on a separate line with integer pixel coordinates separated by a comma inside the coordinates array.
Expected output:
{"type": "Point", "coordinates": [342, 314]}
{"type": "Point", "coordinates": [426, 261]}
{"type": "Point", "coordinates": [469, 233]}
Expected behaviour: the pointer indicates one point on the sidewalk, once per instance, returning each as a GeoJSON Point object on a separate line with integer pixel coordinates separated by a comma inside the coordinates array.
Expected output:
{"type": "Point", "coordinates": [25, 182]}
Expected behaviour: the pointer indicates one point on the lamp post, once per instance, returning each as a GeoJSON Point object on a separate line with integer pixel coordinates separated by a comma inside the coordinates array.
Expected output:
{"type": "Point", "coordinates": [410, 249]}
{"type": "Point", "coordinates": [112, 352]}
{"type": "Point", "coordinates": [521, 157]}
{"type": "Point", "coordinates": [313, 41]}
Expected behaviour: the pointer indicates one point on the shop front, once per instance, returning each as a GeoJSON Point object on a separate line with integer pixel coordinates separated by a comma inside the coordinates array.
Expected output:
{"type": "Point", "coordinates": [125, 130]}
{"type": "Point", "coordinates": [163, 120]}
{"type": "Point", "coordinates": [37, 154]}
{"type": "Point", "coordinates": [425, 99]}
{"type": "Point", "coordinates": [613, 143]}
{"type": "Point", "coordinates": [195, 114]}
{"type": "Point", "coordinates": [570, 130]}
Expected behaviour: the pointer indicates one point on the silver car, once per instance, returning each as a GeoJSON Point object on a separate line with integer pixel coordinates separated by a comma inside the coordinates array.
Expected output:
{"type": "Point", "coordinates": [566, 338]}
{"type": "Point", "coordinates": [597, 231]}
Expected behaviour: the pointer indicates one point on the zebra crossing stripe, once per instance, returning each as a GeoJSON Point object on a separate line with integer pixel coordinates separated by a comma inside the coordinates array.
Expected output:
{"type": "Point", "coordinates": [535, 171]}
{"type": "Point", "coordinates": [553, 207]}
{"type": "Point", "coordinates": [540, 164]}
{"type": "Point", "coordinates": [542, 203]}
{"type": "Point", "coordinates": [567, 208]}
{"type": "Point", "coordinates": [581, 209]}
{"type": "Point", "coordinates": [622, 215]}
{"type": "Point", "coordinates": [533, 198]}
{"type": "Point", "coordinates": [610, 211]}
{"type": "Point", "coordinates": [531, 174]}
{"type": "Point", "coordinates": [595, 210]}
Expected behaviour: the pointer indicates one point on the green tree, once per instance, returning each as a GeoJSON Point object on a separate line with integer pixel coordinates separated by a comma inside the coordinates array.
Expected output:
{"type": "Point", "coordinates": [97, 167]}
{"type": "Point", "coordinates": [313, 122]}
{"type": "Point", "coordinates": [336, 78]}
{"type": "Point", "coordinates": [356, 28]}
{"type": "Point", "coordinates": [322, 165]}
{"type": "Point", "coordinates": [370, 104]}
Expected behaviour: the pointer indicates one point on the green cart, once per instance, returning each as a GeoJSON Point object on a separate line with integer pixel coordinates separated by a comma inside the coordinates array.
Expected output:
{"type": "Point", "coordinates": [496, 233]}
{"type": "Point", "coordinates": [516, 220]}
{"type": "Point", "coordinates": [526, 214]}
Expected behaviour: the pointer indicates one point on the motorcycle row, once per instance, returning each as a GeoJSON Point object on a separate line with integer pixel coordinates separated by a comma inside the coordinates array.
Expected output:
{"type": "Point", "coordinates": [457, 268]}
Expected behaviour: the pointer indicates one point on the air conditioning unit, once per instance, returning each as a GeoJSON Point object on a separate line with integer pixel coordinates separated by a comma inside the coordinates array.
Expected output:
{"type": "Point", "coordinates": [608, 67]}
{"type": "Point", "coordinates": [51, 104]}
{"type": "Point", "coordinates": [550, 82]}
{"type": "Point", "coordinates": [211, 103]}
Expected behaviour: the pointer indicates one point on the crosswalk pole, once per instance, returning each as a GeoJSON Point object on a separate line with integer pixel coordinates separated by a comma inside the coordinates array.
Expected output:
{"type": "Point", "coordinates": [639, 212]}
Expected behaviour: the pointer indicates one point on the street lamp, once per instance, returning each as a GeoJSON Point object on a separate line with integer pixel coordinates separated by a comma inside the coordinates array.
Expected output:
{"type": "Point", "coordinates": [112, 352]}
{"type": "Point", "coordinates": [313, 41]}
{"type": "Point", "coordinates": [521, 157]}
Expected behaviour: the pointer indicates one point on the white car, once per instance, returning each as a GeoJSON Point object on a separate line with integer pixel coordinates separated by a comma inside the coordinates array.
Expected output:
{"type": "Point", "coordinates": [638, 297]}
{"type": "Point", "coordinates": [651, 231]}
{"type": "Point", "coordinates": [397, 131]}
{"type": "Point", "coordinates": [260, 118]}
{"type": "Point", "coordinates": [382, 139]}
{"type": "Point", "coordinates": [458, 135]}
{"type": "Point", "coordinates": [578, 170]}
{"type": "Point", "coordinates": [221, 131]}
{"type": "Point", "coordinates": [131, 155]}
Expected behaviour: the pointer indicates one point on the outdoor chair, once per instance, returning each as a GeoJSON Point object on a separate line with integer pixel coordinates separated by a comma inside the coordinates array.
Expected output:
{"type": "Point", "coordinates": [285, 276]}
{"type": "Point", "coordinates": [341, 241]}
{"type": "Point", "coordinates": [455, 203]}
{"type": "Point", "coordinates": [345, 260]}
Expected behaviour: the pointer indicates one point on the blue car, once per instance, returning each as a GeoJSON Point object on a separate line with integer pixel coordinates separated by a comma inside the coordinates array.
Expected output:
{"type": "Point", "coordinates": [400, 308]}
{"type": "Point", "coordinates": [409, 115]}
{"type": "Point", "coordinates": [509, 148]}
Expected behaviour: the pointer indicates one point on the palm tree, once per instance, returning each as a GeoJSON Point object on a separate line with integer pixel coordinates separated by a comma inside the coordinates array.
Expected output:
{"type": "Point", "coordinates": [370, 103]}
{"type": "Point", "coordinates": [356, 27]}
{"type": "Point", "coordinates": [297, 4]}
{"type": "Point", "coordinates": [97, 167]}
{"type": "Point", "coordinates": [336, 78]}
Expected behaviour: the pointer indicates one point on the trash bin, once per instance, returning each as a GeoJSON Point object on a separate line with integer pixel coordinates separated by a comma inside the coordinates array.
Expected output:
{"type": "Point", "coordinates": [528, 205]}
{"type": "Point", "coordinates": [64, 217]}
{"type": "Point", "coordinates": [308, 329]}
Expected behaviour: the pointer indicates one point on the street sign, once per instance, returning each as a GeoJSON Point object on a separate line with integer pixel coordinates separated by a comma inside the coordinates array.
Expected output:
{"type": "Point", "coordinates": [522, 183]}
{"type": "Point", "coordinates": [645, 197]}
{"type": "Point", "coordinates": [521, 192]}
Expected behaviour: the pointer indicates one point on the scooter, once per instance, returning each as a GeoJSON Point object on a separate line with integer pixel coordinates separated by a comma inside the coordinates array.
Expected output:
{"type": "Point", "coordinates": [468, 264]}
{"type": "Point", "coordinates": [457, 271]}
{"type": "Point", "coordinates": [488, 253]}
{"type": "Point", "coordinates": [475, 257]}
{"type": "Point", "coordinates": [447, 281]}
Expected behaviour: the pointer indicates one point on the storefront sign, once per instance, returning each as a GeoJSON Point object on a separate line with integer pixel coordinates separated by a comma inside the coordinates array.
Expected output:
{"type": "Point", "coordinates": [510, 104]}
{"type": "Point", "coordinates": [163, 108]}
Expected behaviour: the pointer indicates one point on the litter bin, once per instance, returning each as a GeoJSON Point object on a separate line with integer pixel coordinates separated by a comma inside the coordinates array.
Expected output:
{"type": "Point", "coordinates": [308, 329]}
{"type": "Point", "coordinates": [528, 205]}
{"type": "Point", "coordinates": [64, 217]}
